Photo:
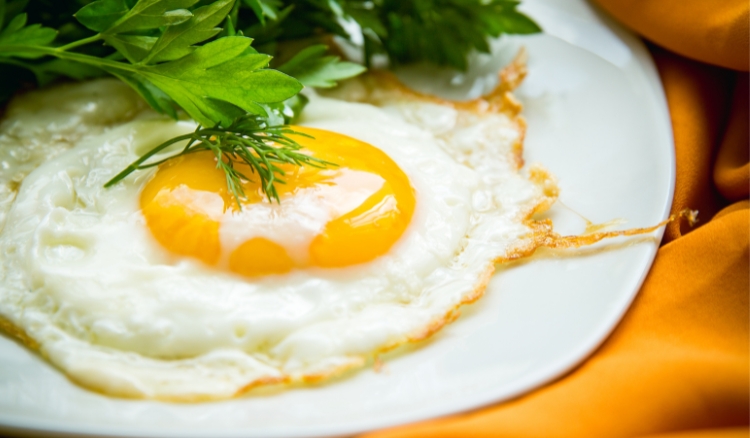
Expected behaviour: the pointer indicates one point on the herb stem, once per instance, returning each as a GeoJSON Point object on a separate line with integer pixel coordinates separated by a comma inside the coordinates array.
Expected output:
{"type": "Point", "coordinates": [81, 42]}
{"type": "Point", "coordinates": [135, 165]}
{"type": "Point", "coordinates": [102, 63]}
{"type": "Point", "coordinates": [11, 61]}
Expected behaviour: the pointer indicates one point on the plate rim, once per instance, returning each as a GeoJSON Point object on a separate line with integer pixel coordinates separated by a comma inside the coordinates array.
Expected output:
{"type": "Point", "coordinates": [26, 425]}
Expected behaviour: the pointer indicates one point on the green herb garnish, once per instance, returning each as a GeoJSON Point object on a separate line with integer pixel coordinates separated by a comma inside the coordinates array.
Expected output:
{"type": "Point", "coordinates": [441, 32]}
{"type": "Point", "coordinates": [197, 56]}
{"type": "Point", "coordinates": [248, 140]}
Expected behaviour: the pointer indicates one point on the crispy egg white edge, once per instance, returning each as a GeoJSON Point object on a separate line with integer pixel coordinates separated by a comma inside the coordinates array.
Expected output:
{"type": "Point", "coordinates": [69, 339]}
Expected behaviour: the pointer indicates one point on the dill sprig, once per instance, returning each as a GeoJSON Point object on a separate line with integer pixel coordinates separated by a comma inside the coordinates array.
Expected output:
{"type": "Point", "coordinates": [248, 140]}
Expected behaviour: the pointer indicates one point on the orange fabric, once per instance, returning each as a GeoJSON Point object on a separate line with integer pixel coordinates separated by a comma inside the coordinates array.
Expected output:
{"type": "Point", "coordinates": [698, 99]}
{"type": "Point", "coordinates": [714, 32]}
{"type": "Point", "coordinates": [721, 433]}
{"type": "Point", "coordinates": [678, 365]}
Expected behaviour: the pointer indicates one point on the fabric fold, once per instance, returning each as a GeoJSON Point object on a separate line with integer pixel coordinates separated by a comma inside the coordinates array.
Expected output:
{"type": "Point", "coordinates": [678, 364]}
{"type": "Point", "coordinates": [712, 32]}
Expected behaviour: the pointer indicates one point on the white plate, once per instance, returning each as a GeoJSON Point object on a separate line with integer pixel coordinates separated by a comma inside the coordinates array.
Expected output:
{"type": "Point", "coordinates": [598, 119]}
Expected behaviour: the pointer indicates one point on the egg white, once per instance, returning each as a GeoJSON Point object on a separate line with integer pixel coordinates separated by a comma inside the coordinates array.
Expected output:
{"type": "Point", "coordinates": [86, 283]}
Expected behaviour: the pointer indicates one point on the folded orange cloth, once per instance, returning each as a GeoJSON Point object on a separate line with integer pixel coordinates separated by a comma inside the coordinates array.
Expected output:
{"type": "Point", "coordinates": [678, 364]}
{"type": "Point", "coordinates": [714, 32]}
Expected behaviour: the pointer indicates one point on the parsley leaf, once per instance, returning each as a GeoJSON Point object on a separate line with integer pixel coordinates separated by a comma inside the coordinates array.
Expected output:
{"type": "Point", "coordinates": [133, 47]}
{"type": "Point", "coordinates": [311, 67]}
{"type": "Point", "coordinates": [219, 83]}
{"type": "Point", "coordinates": [102, 14]}
{"type": "Point", "coordinates": [175, 55]}
{"type": "Point", "coordinates": [213, 83]}
{"type": "Point", "coordinates": [17, 33]}
{"type": "Point", "coordinates": [177, 41]}
{"type": "Point", "coordinates": [114, 16]}
{"type": "Point", "coordinates": [228, 70]}
{"type": "Point", "coordinates": [264, 8]}
{"type": "Point", "coordinates": [441, 32]}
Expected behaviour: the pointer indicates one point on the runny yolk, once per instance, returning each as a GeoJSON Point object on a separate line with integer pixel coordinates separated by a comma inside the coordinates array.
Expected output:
{"type": "Point", "coordinates": [368, 199]}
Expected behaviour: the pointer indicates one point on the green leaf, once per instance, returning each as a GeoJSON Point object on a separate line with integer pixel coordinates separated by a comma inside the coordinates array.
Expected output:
{"type": "Point", "coordinates": [229, 28]}
{"type": "Point", "coordinates": [2, 14]}
{"type": "Point", "coordinates": [151, 14]}
{"type": "Point", "coordinates": [368, 19]}
{"type": "Point", "coordinates": [264, 8]}
{"type": "Point", "coordinates": [17, 33]}
{"type": "Point", "coordinates": [177, 41]}
{"type": "Point", "coordinates": [221, 70]}
{"type": "Point", "coordinates": [442, 32]}
{"type": "Point", "coordinates": [311, 67]}
{"type": "Point", "coordinates": [257, 8]}
{"type": "Point", "coordinates": [150, 93]}
{"type": "Point", "coordinates": [286, 112]}
{"type": "Point", "coordinates": [48, 71]}
{"type": "Point", "coordinates": [266, 35]}
{"type": "Point", "coordinates": [336, 8]}
{"type": "Point", "coordinates": [133, 47]}
{"type": "Point", "coordinates": [15, 24]}
{"type": "Point", "coordinates": [11, 9]}
{"type": "Point", "coordinates": [517, 23]}
{"type": "Point", "coordinates": [102, 14]}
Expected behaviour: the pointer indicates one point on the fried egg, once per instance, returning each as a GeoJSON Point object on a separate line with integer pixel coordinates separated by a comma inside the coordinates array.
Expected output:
{"type": "Point", "coordinates": [161, 287]}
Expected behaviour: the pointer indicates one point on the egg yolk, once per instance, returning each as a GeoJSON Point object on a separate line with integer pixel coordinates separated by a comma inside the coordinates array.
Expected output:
{"type": "Point", "coordinates": [367, 199]}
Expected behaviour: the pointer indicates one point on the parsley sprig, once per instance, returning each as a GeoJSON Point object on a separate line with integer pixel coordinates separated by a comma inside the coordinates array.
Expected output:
{"type": "Point", "coordinates": [212, 59]}
{"type": "Point", "coordinates": [168, 52]}
{"type": "Point", "coordinates": [213, 83]}
{"type": "Point", "coordinates": [441, 32]}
